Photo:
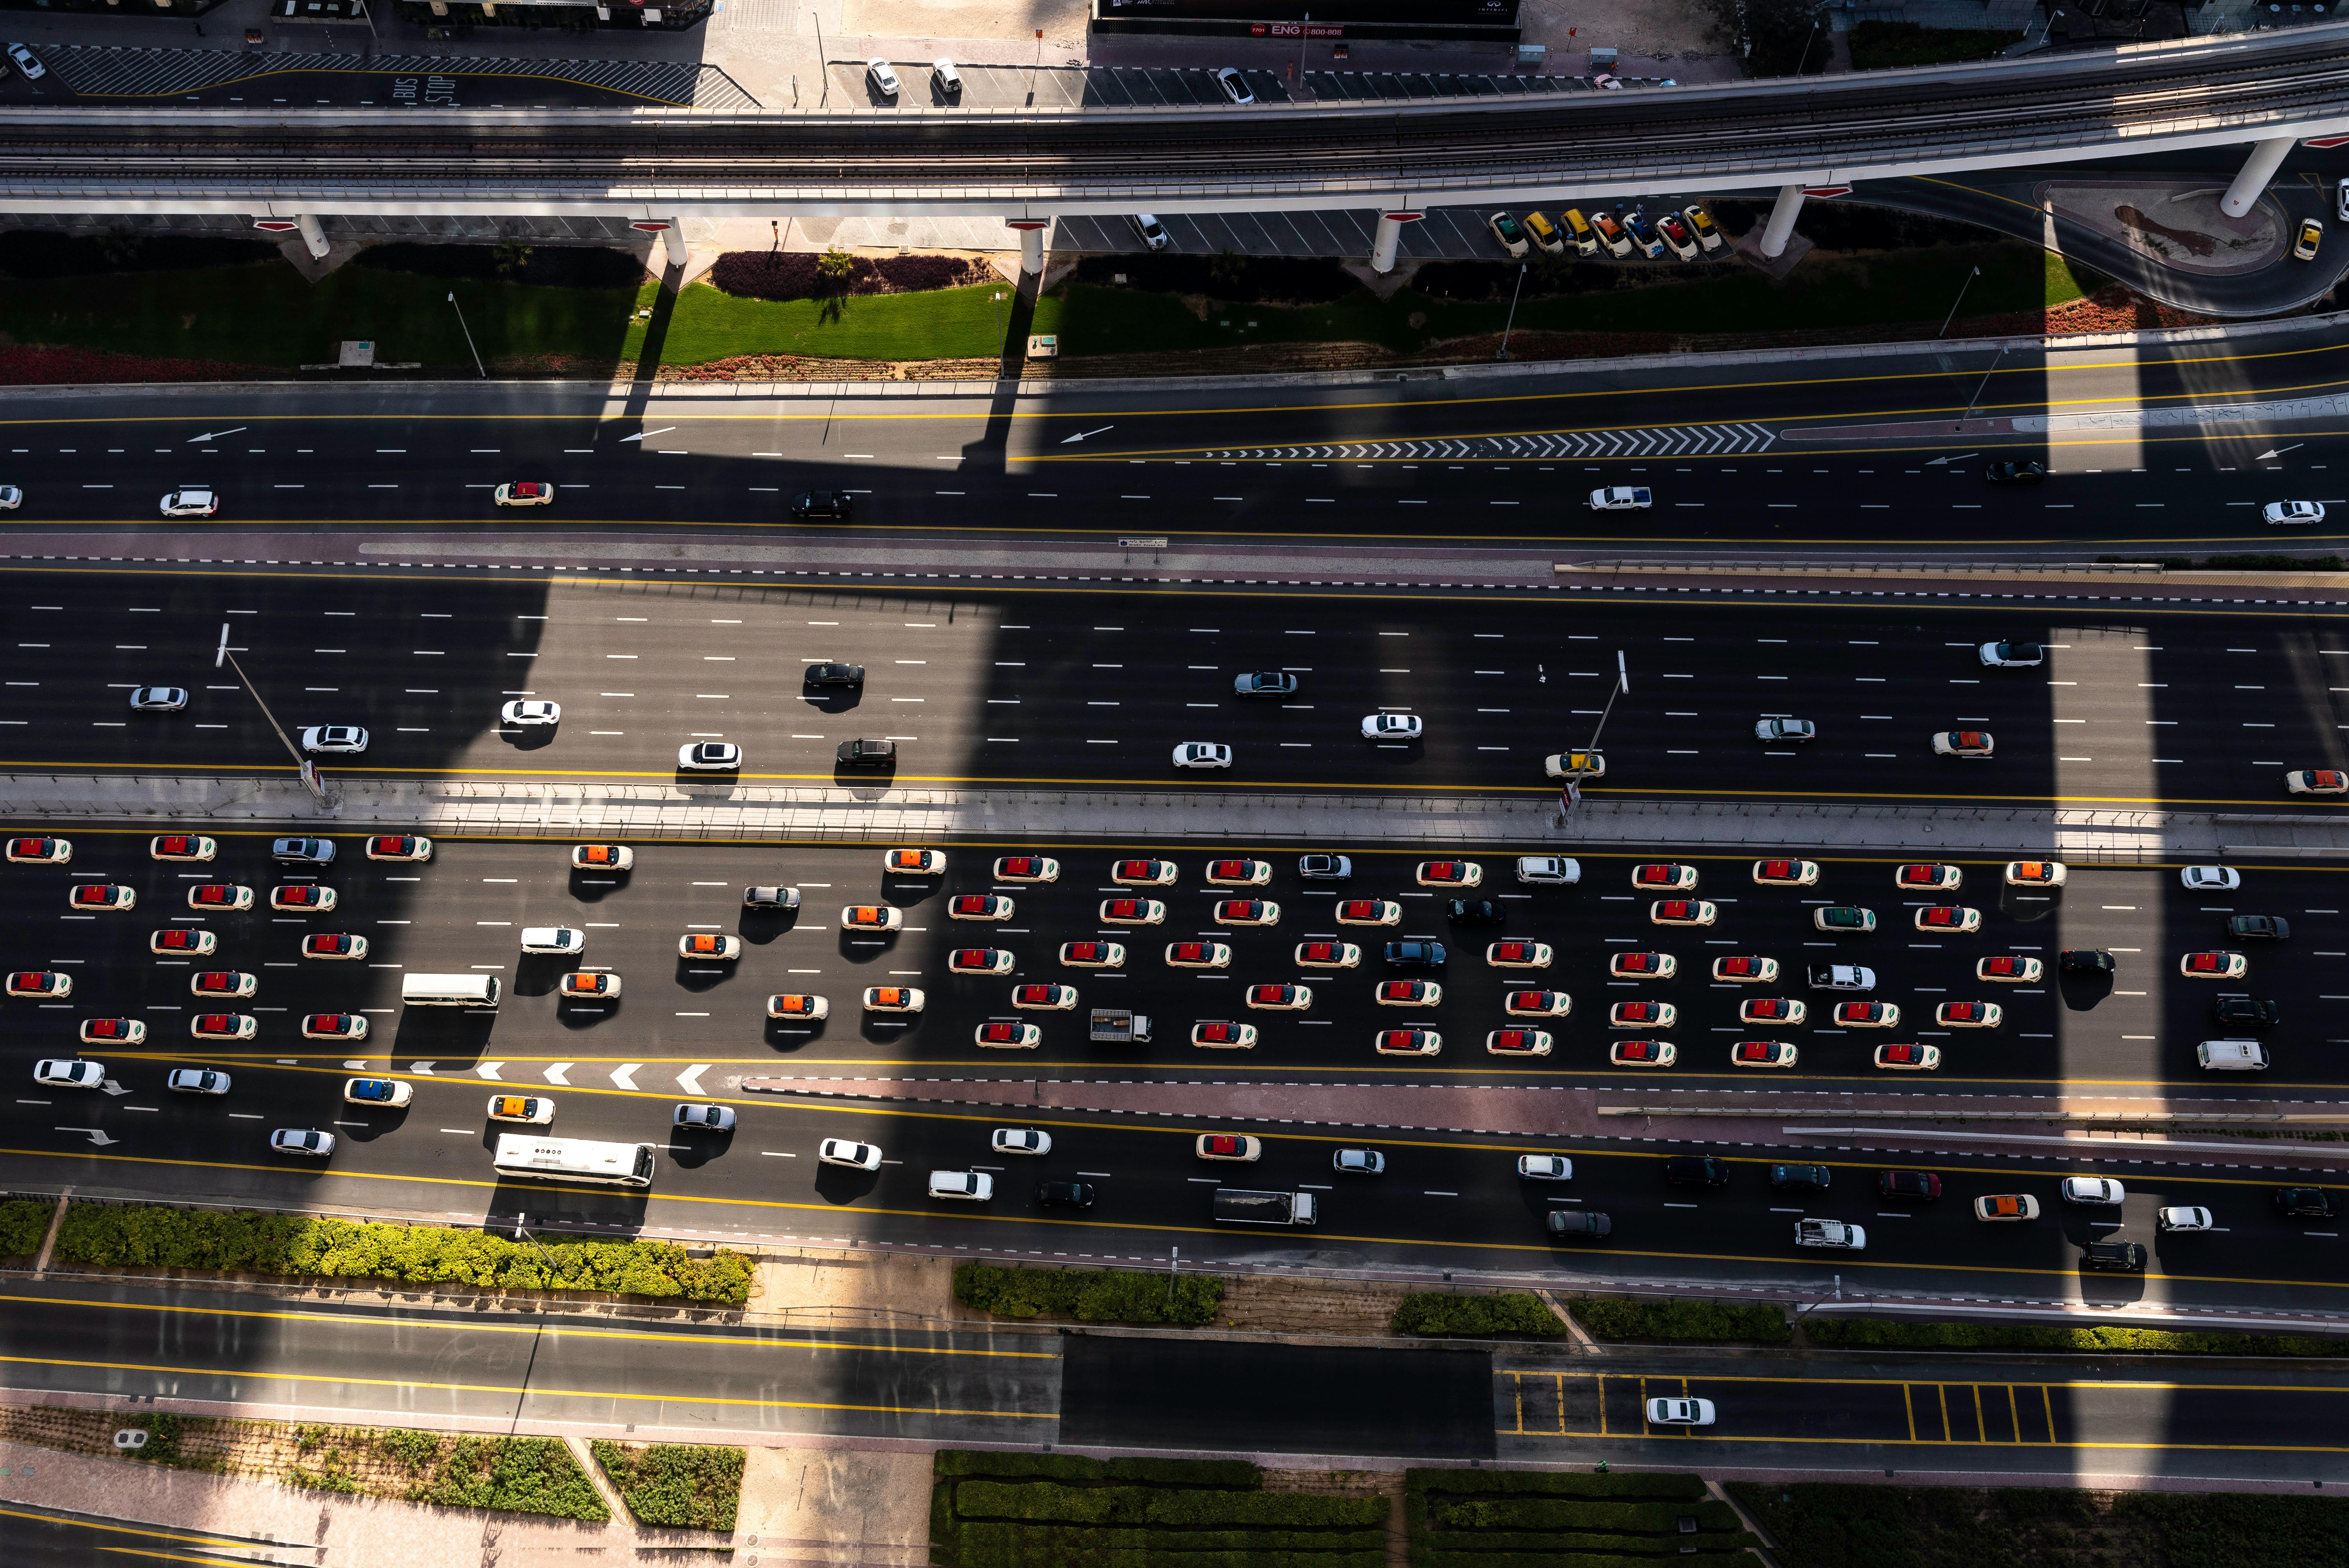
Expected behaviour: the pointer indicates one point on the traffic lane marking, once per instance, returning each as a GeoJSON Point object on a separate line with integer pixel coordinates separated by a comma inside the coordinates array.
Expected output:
{"type": "Point", "coordinates": [146, 1531]}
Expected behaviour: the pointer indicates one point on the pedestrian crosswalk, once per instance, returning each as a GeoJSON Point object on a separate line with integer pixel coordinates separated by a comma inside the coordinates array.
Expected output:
{"type": "Point", "coordinates": [421, 81]}
{"type": "Point", "coordinates": [1657, 441]}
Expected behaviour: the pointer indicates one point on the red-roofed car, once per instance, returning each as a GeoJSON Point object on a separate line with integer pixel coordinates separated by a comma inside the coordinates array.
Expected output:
{"type": "Point", "coordinates": [1048, 997]}
{"type": "Point", "coordinates": [1368, 911]}
{"type": "Point", "coordinates": [980, 960]}
{"type": "Point", "coordinates": [1133, 910]}
{"type": "Point", "coordinates": [1643, 1053]}
{"type": "Point", "coordinates": [217, 895]}
{"type": "Point", "coordinates": [1239, 873]}
{"type": "Point", "coordinates": [1950, 918]}
{"type": "Point", "coordinates": [980, 906]}
{"type": "Point", "coordinates": [1785, 1010]}
{"type": "Point", "coordinates": [1027, 869]}
{"type": "Point", "coordinates": [182, 847]}
{"type": "Point", "coordinates": [1409, 1043]}
{"type": "Point", "coordinates": [1008, 1037]}
{"type": "Point", "coordinates": [223, 1027]}
{"type": "Point", "coordinates": [39, 851]}
{"type": "Point", "coordinates": [1518, 954]}
{"type": "Point", "coordinates": [1247, 911]}
{"type": "Point", "coordinates": [2014, 969]}
{"type": "Point", "coordinates": [1908, 1058]}
{"type": "Point", "coordinates": [398, 847]}
{"type": "Point", "coordinates": [1963, 743]}
{"type": "Point", "coordinates": [1094, 954]}
{"type": "Point", "coordinates": [303, 898]}
{"type": "Point", "coordinates": [1785, 874]}
{"type": "Point", "coordinates": [1450, 874]}
{"type": "Point", "coordinates": [2214, 966]}
{"type": "Point", "coordinates": [1663, 879]}
{"type": "Point", "coordinates": [49, 983]}
{"type": "Point", "coordinates": [1928, 879]}
{"type": "Point", "coordinates": [325, 945]}
{"type": "Point", "coordinates": [1198, 955]}
{"type": "Point", "coordinates": [112, 896]}
{"type": "Point", "coordinates": [1143, 873]}
{"type": "Point", "coordinates": [2317, 782]}
{"type": "Point", "coordinates": [1281, 998]}
{"type": "Point", "coordinates": [1762, 1054]}
{"type": "Point", "coordinates": [182, 939]}
{"type": "Point", "coordinates": [1537, 1004]}
{"type": "Point", "coordinates": [1745, 969]}
{"type": "Point", "coordinates": [333, 1026]}
{"type": "Point", "coordinates": [1408, 994]}
{"type": "Point", "coordinates": [1643, 966]}
{"type": "Point", "coordinates": [112, 1032]}
{"type": "Point", "coordinates": [1328, 955]}
{"type": "Point", "coordinates": [1519, 1042]}
{"type": "Point", "coordinates": [1224, 1036]}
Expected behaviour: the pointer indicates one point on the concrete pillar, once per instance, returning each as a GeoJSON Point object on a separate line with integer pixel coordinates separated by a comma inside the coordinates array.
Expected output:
{"type": "Point", "coordinates": [1389, 236]}
{"type": "Point", "coordinates": [312, 235]}
{"type": "Point", "coordinates": [1032, 242]}
{"type": "Point", "coordinates": [1782, 221]}
{"type": "Point", "coordinates": [2260, 168]}
{"type": "Point", "coordinates": [673, 239]}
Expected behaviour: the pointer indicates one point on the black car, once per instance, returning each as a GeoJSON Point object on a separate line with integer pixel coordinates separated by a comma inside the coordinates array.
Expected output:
{"type": "Point", "coordinates": [1325, 868]}
{"type": "Point", "coordinates": [2264, 927]}
{"type": "Point", "coordinates": [1416, 955]}
{"type": "Point", "coordinates": [2085, 961]}
{"type": "Point", "coordinates": [837, 504]}
{"type": "Point", "coordinates": [1578, 1225]}
{"type": "Point", "coordinates": [1696, 1171]}
{"type": "Point", "coordinates": [2248, 1012]}
{"type": "Point", "coordinates": [1065, 1194]}
{"type": "Point", "coordinates": [835, 674]}
{"type": "Point", "coordinates": [2011, 472]}
{"type": "Point", "coordinates": [1921, 1185]}
{"type": "Point", "coordinates": [1475, 912]}
{"type": "Point", "coordinates": [866, 753]}
{"type": "Point", "coordinates": [2124, 1256]}
{"type": "Point", "coordinates": [1816, 1176]}
{"type": "Point", "coordinates": [2303, 1202]}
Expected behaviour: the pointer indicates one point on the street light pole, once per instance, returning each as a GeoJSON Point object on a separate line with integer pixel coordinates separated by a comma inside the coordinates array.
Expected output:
{"type": "Point", "coordinates": [469, 334]}
{"type": "Point", "coordinates": [1958, 301]}
{"type": "Point", "coordinates": [1984, 382]}
{"type": "Point", "coordinates": [1622, 687]}
{"type": "Point", "coordinates": [309, 773]}
{"type": "Point", "coordinates": [822, 70]}
{"type": "Point", "coordinates": [1504, 352]}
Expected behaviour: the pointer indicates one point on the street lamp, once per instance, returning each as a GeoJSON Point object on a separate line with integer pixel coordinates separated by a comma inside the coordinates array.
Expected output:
{"type": "Point", "coordinates": [1504, 351]}
{"type": "Point", "coordinates": [469, 334]}
{"type": "Point", "coordinates": [309, 769]}
{"type": "Point", "coordinates": [1622, 685]}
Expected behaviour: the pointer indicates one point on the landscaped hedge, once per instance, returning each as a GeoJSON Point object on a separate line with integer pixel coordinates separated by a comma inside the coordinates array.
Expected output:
{"type": "Point", "coordinates": [1187, 1507]}
{"type": "Point", "coordinates": [797, 274]}
{"type": "Point", "coordinates": [1618, 1517]}
{"type": "Point", "coordinates": [1848, 1333]}
{"type": "Point", "coordinates": [1687, 1322]}
{"type": "Point", "coordinates": [1225, 1475]}
{"type": "Point", "coordinates": [106, 1236]}
{"type": "Point", "coordinates": [1231, 279]}
{"type": "Point", "coordinates": [1521, 1519]}
{"type": "Point", "coordinates": [690, 1486]}
{"type": "Point", "coordinates": [33, 253]}
{"type": "Point", "coordinates": [1090, 1295]}
{"type": "Point", "coordinates": [1432, 1313]}
{"type": "Point", "coordinates": [24, 1222]}
{"type": "Point", "coordinates": [521, 1475]}
{"type": "Point", "coordinates": [546, 266]}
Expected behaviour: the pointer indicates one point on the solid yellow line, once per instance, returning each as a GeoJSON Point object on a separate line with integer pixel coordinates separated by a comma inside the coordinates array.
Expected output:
{"type": "Point", "coordinates": [1981, 1428]}
{"type": "Point", "coordinates": [2047, 1403]}
{"type": "Point", "coordinates": [346, 71]}
{"type": "Point", "coordinates": [1720, 1436]}
{"type": "Point", "coordinates": [153, 1531]}
{"type": "Point", "coordinates": [1941, 1395]}
{"type": "Point", "coordinates": [1909, 1403]}
{"type": "Point", "coordinates": [2014, 1412]}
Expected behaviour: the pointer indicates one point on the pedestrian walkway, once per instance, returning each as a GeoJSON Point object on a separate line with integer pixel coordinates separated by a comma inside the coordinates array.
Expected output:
{"type": "Point", "coordinates": [411, 80]}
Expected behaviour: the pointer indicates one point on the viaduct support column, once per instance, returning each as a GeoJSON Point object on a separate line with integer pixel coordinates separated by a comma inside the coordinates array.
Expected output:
{"type": "Point", "coordinates": [2260, 168]}
{"type": "Point", "coordinates": [672, 243]}
{"type": "Point", "coordinates": [1389, 237]}
{"type": "Point", "coordinates": [312, 235]}
{"type": "Point", "coordinates": [1782, 221]}
{"type": "Point", "coordinates": [1032, 242]}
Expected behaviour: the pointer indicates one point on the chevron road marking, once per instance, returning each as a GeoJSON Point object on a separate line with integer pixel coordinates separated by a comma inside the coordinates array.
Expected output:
{"type": "Point", "coordinates": [1659, 441]}
{"type": "Point", "coordinates": [554, 1075]}
{"type": "Point", "coordinates": [490, 1070]}
{"type": "Point", "coordinates": [626, 1076]}
{"type": "Point", "coordinates": [690, 1079]}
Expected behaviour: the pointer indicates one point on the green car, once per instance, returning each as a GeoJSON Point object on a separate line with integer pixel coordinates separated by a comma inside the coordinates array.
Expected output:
{"type": "Point", "coordinates": [1843, 918]}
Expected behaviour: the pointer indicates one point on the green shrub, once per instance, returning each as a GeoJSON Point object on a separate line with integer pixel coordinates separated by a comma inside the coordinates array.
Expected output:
{"type": "Point", "coordinates": [1670, 1545]}
{"type": "Point", "coordinates": [1433, 1559]}
{"type": "Point", "coordinates": [1578, 1514]}
{"type": "Point", "coordinates": [1047, 1502]}
{"type": "Point", "coordinates": [519, 1475]}
{"type": "Point", "coordinates": [1090, 1295]}
{"type": "Point", "coordinates": [1872, 1332]}
{"type": "Point", "coordinates": [24, 1222]}
{"type": "Point", "coordinates": [1431, 1313]}
{"type": "Point", "coordinates": [1033, 1544]}
{"type": "Point", "coordinates": [1228, 1475]}
{"type": "Point", "coordinates": [690, 1486]}
{"type": "Point", "coordinates": [1681, 1321]}
{"type": "Point", "coordinates": [1465, 1483]}
{"type": "Point", "coordinates": [163, 1433]}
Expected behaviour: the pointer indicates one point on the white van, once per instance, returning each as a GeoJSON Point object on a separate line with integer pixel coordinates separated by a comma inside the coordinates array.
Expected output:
{"type": "Point", "coordinates": [450, 990]}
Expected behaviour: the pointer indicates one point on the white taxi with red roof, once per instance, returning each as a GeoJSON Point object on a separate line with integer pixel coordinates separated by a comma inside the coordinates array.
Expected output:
{"type": "Point", "coordinates": [798, 1004]}
{"type": "Point", "coordinates": [1867, 1015]}
{"type": "Point", "coordinates": [980, 960]}
{"type": "Point", "coordinates": [1928, 879]}
{"type": "Point", "coordinates": [112, 1032]}
{"type": "Point", "coordinates": [1642, 1015]}
{"type": "Point", "coordinates": [1007, 1035]}
{"type": "Point", "coordinates": [1643, 965]}
{"type": "Point", "coordinates": [1281, 998]}
{"type": "Point", "coordinates": [1449, 873]}
{"type": "Point", "coordinates": [871, 917]}
{"type": "Point", "coordinates": [223, 1026]}
{"type": "Point", "coordinates": [303, 898]}
{"type": "Point", "coordinates": [208, 896]}
{"type": "Point", "coordinates": [39, 851]}
{"type": "Point", "coordinates": [48, 983]}
{"type": "Point", "coordinates": [182, 939]}
{"type": "Point", "coordinates": [1199, 955]}
{"type": "Point", "coordinates": [914, 863]}
{"type": "Point", "coordinates": [1643, 1053]}
{"type": "Point", "coordinates": [1788, 1012]}
{"type": "Point", "coordinates": [1328, 955]}
{"type": "Point", "coordinates": [1537, 1004]}
{"type": "Point", "coordinates": [1224, 1036]}
{"type": "Point", "coordinates": [1226, 1146]}
{"type": "Point", "coordinates": [397, 847]}
{"type": "Point", "coordinates": [1368, 911]}
{"type": "Point", "coordinates": [2317, 782]}
{"type": "Point", "coordinates": [1908, 1058]}
{"type": "Point", "coordinates": [1762, 1054]}
{"type": "Point", "coordinates": [1132, 911]}
{"type": "Point", "coordinates": [1663, 879]}
{"type": "Point", "coordinates": [335, 1026]}
{"type": "Point", "coordinates": [1408, 994]}
{"type": "Point", "coordinates": [334, 945]}
{"type": "Point", "coordinates": [1094, 954]}
{"type": "Point", "coordinates": [1785, 874]}
{"type": "Point", "coordinates": [1682, 912]}
{"type": "Point", "coordinates": [1975, 743]}
{"type": "Point", "coordinates": [2035, 874]}
{"type": "Point", "coordinates": [1239, 873]}
{"type": "Point", "coordinates": [1519, 954]}
{"type": "Point", "coordinates": [588, 986]}
{"type": "Point", "coordinates": [1045, 998]}
{"type": "Point", "coordinates": [1408, 1043]}
{"type": "Point", "coordinates": [1954, 918]}
{"type": "Point", "coordinates": [2012, 968]}
{"type": "Point", "coordinates": [182, 847]}
{"type": "Point", "coordinates": [1745, 969]}
{"type": "Point", "coordinates": [1247, 911]}
{"type": "Point", "coordinates": [893, 999]}
{"type": "Point", "coordinates": [979, 906]}
{"type": "Point", "coordinates": [709, 946]}
{"type": "Point", "coordinates": [224, 983]}
{"type": "Point", "coordinates": [1143, 873]}
{"type": "Point", "coordinates": [602, 858]}
{"type": "Point", "coordinates": [524, 492]}
{"type": "Point", "coordinates": [1969, 1014]}
{"type": "Point", "coordinates": [112, 896]}
{"type": "Point", "coordinates": [1027, 869]}
{"type": "Point", "coordinates": [1519, 1042]}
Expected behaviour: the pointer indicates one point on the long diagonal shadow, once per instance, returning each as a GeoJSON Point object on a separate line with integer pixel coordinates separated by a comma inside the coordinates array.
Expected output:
{"type": "Point", "coordinates": [649, 357]}
{"type": "Point", "coordinates": [993, 443]}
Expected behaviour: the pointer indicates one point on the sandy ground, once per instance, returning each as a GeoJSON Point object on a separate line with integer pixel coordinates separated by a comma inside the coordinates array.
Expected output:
{"type": "Point", "coordinates": [1008, 19]}
{"type": "Point", "coordinates": [1653, 29]}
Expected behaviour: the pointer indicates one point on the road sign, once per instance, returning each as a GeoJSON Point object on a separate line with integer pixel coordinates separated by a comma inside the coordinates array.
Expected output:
{"type": "Point", "coordinates": [653, 228]}
{"type": "Point", "coordinates": [1821, 192]}
{"type": "Point", "coordinates": [276, 225]}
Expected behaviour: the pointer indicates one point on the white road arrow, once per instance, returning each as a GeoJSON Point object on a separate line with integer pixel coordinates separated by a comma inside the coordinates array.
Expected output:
{"type": "Point", "coordinates": [690, 1079]}
{"type": "Point", "coordinates": [96, 1137]}
{"type": "Point", "coordinates": [2280, 451]}
{"type": "Point", "coordinates": [112, 1088]}
{"type": "Point", "coordinates": [422, 1069]}
{"type": "Point", "coordinates": [626, 1074]}
{"type": "Point", "coordinates": [640, 435]}
{"type": "Point", "coordinates": [490, 1070]}
{"type": "Point", "coordinates": [1082, 435]}
{"type": "Point", "coordinates": [554, 1075]}
{"type": "Point", "coordinates": [213, 435]}
{"type": "Point", "coordinates": [1961, 457]}
{"type": "Point", "coordinates": [355, 1066]}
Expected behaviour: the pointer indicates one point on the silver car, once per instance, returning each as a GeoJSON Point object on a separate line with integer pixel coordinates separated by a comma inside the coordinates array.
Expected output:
{"type": "Point", "coordinates": [158, 700]}
{"type": "Point", "coordinates": [1358, 1163]}
{"type": "Point", "coordinates": [703, 1116]}
{"type": "Point", "coordinates": [1780, 729]}
{"type": "Point", "coordinates": [327, 738]}
{"type": "Point", "coordinates": [197, 1080]}
{"type": "Point", "coordinates": [302, 1140]}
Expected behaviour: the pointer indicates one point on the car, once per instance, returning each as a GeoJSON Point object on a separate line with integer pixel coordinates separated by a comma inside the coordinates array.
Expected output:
{"type": "Point", "coordinates": [1097, 955]}
{"type": "Point", "coordinates": [1838, 919]}
{"type": "Point", "coordinates": [2097, 1192]}
{"type": "Point", "coordinates": [1867, 1015]}
{"type": "Point", "coordinates": [1663, 879]}
{"type": "Point", "coordinates": [1610, 234]}
{"type": "Point", "coordinates": [1326, 955]}
{"type": "Point", "coordinates": [2011, 968]}
{"type": "Point", "coordinates": [1391, 726]}
{"type": "Point", "coordinates": [1701, 225]}
{"type": "Point", "coordinates": [1763, 1054]}
{"type": "Point", "coordinates": [1150, 231]}
{"type": "Point", "coordinates": [184, 847]}
{"type": "Point", "coordinates": [1951, 918]}
{"type": "Point", "coordinates": [826, 673]}
{"type": "Point", "coordinates": [1745, 969]}
{"type": "Point", "coordinates": [1474, 912]}
{"type": "Point", "coordinates": [11, 496]}
{"type": "Point", "coordinates": [1281, 998]}
{"type": "Point", "coordinates": [1143, 874]}
{"type": "Point", "coordinates": [2183, 1218]}
{"type": "Point", "coordinates": [1682, 912]}
{"type": "Point", "coordinates": [1237, 1146]}
{"type": "Point", "coordinates": [2013, 655]}
{"type": "Point", "coordinates": [1408, 1043]}
{"type": "Point", "coordinates": [2310, 235]}
{"type": "Point", "coordinates": [866, 753]}
{"type": "Point", "coordinates": [1784, 731]}
{"type": "Point", "coordinates": [1368, 911]}
{"type": "Point", "coordinates": [1518, 954]}
{"type": "Point", "coordinates": [2248, 1012]}
{"type": "Point", "coordinates": [1969, 1014]}
{"type": "Point", "coordinates": [964, 1186]}
{"type": "Point", "coordinates": [980, 960]}
{"type": "Point", "coordinates": [848, 1152]}
{"type": "Point", "coordinates": [1543, 232]}
{"type": "Point", "coordinates": [914, 863]}
{"type": "Point", "coordinates": [798, 1004]}
{"type": "Point", "coordinates": [1247, 911]}
{"type": "Point", "coordinates": [602, 858]}
{"type": "Point", "coordinates": [526, 492]}
{"type": "Point", "coordinates": [1046, 997]}
{"type": "Point", "coordinates": [2210, 879]}
{"type": "Point", "coordinates": [2303, 1202]}
{"type": "Point", "coordinates": [301, 851]}
{"type": "Point", "coordinates": [2214, 965]}
{"type": "Point", "coordinates": [1785, 874]}
{"type": "Point", "coordinates": [771, 897]}
{"type": "Point", "coordinates": [1974, 743]}
{"type": "Point", "coordinates": [2035, 874]}
{"type": "Point", "coordinates": [1577, 1225]}
{"type": "Point", "coordinates": [2231, 1055]}
{"type": "Point", "coordinates": [1408, 994]}
{"type": "Point", "coordinates": [333, 739]}
{"type": "Point", "coordinates": [335, 1026]}
{"type": "Point", "coordinates": [60, 1072]}
{"type": "Point", "coordinates": [1841, 978]}
{"type": "Point", "coordinates": [1548, 870]}
{"type": "Point", "coordinates": [1224, 1036]}
{"type": "Point", "coordinates": [2125, 1256]}
{"type": "Point", "coordinates": [1635, 222]}
{"type": "Point", "coordinates": [1676, 237]}
{"type": "Point", "coordinates": [1009, 1035]}
{"type": "Point", "coordinates": [2260, 927]}
{"type": "Point", "coordinates": [188, 500]}
{"type": "Point", "coordinates": [535, 1109]}
{"type": "Point", "coordinates": [882, 76]}
{"type": "Point", "coordinates": [893, 999]}
{"type": "Point", "coordinates": [1265, 683]}
{"type": "Point", "coordinates": [553, 939]}
{"type": "Point", "coordinates": [2007, 1207]}
{"type": "Point", "coordinates": [871, 917]}
{"type": "Point", "coordinates": [112, 1032]}
{"type": "Point", "coordinates": [1786, 1012]}
{"type": "Point", "coordinates": [112, 896]}
{"type": "Point", "coordinates": [1817, 1178]}
{"type": "Point", "coordinates": [2085, 961]}
{"type": "Point", "coordinates": [1643, 1053]}
{"type": "Point", "coordinates": [1358, 1163]}
{"type": "Point", "coordinates": [334, 945]}
{"type": "Point", "coordinates": [1132, 911]}
{"type": "Point", "coordinates": [835, 505]}
{"type": "Point", "coordinates": [1575, 764]}
{"type": "Point", "coordinates": [2010, 471]}
{"type": "Point", "coordinates": [1508, 234]}
{"type": "Point", "coordinates": [1696, 1171]}
{"type": "Point", "coordinates": [1027, 869]}
{"type": "Point", "coordinates": [1234, 87]}
{"type": "Point", "coordinates": [1928, 879]}
{"type": "Point", "coordinates": [389, 1093]}
{"type": "Point", "coordinates": [979, 906]}
{"type": "Point", "coordinates": [2317, 782]}
{"type": "Point", "coordinates": [1065, 1194]}
{"type": "Point", "coordinates": [1834, 1234]}
{"type": "Point", "coordinates": [307, 1140]}
{"type": "Point", "coordinates": [1908, 1058]}
{"type": "Point", "coordinates": [158, 700]}
{"type": "Point", "coordinates": [1537, 1004]}
{"type": "Point", "coordinates": [1202, 754]}
{"type": "Point", "coordinates": [709, 946]}
{"type": "Point", "coordinates": [40, 851]}
{"type": "Point", "coordinates": [1643, 965]}
{"type": "Point", "coordinates": [710, 756]}
{"type": "Point", "coordinates": [1921, 1185]}
{"type": "Point", "coordinates": [1325, 868]}
{"type": "Point", "coordinates": [699, 1115]}
{"type": "Point", "coordinates": [1545, 1168]}
{"type": "Point", "coordinates": [1239, 873]}
{"type": "Point", "coordinates": [1678, 1412]}
{"type": "Point", "coordinates": [303, 898]}
{"type": "Point", "coordinates": [582, 985]}
{"type": "Point", "coordinates": [1415, 954]}
{"type": "Point", "coordinates": [1019, 1141]}
{"type": "Point", "coordinates": [1642, 1015]}
{"type": "Point", "coordinates": [2292, 512]}
{"type": "Point", "coordinates": [1519, 1042]}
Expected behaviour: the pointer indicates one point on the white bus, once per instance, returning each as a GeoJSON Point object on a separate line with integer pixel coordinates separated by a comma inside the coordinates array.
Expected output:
{"type": "Point", "coordinates": [575, 1160]}
{"type": "Point", "coordinates": [450, 990]}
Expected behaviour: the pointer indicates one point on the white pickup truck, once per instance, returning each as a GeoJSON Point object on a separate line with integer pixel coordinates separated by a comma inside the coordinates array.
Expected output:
{"type": "Point", "coordinates": [1622, 498]}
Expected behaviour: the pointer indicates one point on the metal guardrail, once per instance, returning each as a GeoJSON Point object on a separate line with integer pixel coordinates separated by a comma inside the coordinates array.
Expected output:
{"type": "Point", "coordinates": [1791, 566]}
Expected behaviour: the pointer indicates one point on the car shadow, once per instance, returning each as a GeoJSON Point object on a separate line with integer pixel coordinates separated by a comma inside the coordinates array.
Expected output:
{"type": "Point", "coordinates": [866, 782]}
{"type": "Point", "coordinates": [759, 927]}
{"type": "Point", "coordinates": [536, 737]}
{"type": "Point", "coordinates": [691, 1148]}
{"type": "Point", "coordinates": [888, 1029]}
{"type": "Point", "coordinates": [700, 974]}
{"type": "Point", "coordinates": [441, 1033]}
{"type": "Point", "coordinates": [844, 1184]}
{"type": "Point", "coordinates": [582, 1014]}
{"type": "Point", "coordinates": [537, 974]}
{"type": "Point", "coordinates": [593, 887]}
{"type": "Point", "coordinates": [383, 1120]}
{"type": "Point", "coordinates": [2080, 993]}
{"type": "Point", "coordinates": [706, 784]}
{"type": "Point", "coordinates": [863, 947]}
{"type": "Point", "coordinates": [2024, 906]}
{"type": "Point", "coordinates": [833, 699]}
{"type": "Point", "coordinates": [785, 1035]}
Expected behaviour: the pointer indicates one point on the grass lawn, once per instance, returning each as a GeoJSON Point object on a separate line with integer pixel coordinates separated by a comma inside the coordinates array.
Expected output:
{"type": "Point", "coordinates": [946, 323]}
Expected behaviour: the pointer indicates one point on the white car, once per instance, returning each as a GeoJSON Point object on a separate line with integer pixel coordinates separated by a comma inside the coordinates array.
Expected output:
{"type": "Point", "coordinates": [60, 1072]}
{"type": "Point", "coordinates": [1621, 497]}
{"type": "Point", "coordinates": [2099, 1192]}
{"type": "Point", "coordinates": [558, 939]}
{"type": "Point", "coordinates": [883, 77]}
{"type": "Point", "coordinates": [1842, 977]}
{"type": "Point", "coordinates": [1785, 729]}
{"type": "Point", "coordinates": [525, 715]}
{"type": "Point", "coordinates": [1234, 87]}
{"type": "Point", "coordinates": [710, 756]}
{"type": "Point", "coordinates": [391, 1093]}
{"type": "Point", "coordinates": [1975, 743]}
{"type": "Point", "coordinates": [1021, 1140]}
{"type": "Point", "coordinates": [2210, 879]}
{"type": "Point", "coordinates": [2293, 511]}
{"type": "Point", "coordinates": [532, 1109]}
{"type": "Point", "coordinates": [1390, 726]}
{"type": "Point", "coordinates": [701, 1117]}
{"type": "Point", "coordinates": [187, 501]}
{"type": "Point", "coordinates": [2035, 874]}
{"type": "Point", "coordinates": [849, 1152]}
{"type": "Point", "coordinates": [1830, 1233]}
{"type": "Point", "coordinates": [2011, 1207]}
{"type": "Point", "coordinates": [527, 492]}
{"type": "Point", "coordinates": [1553, 871]}
{"type": "Point", "coordinates": [1545, 1167]}
{"type": "Point", "coordinates": [894, 999]}
{"type": "Point", "coordinates": [945, 78]}
{"type": "Point", "coordinates": [602, 858]}
{"type": "Point", "coordinates": [302, 1140]}
{"type": "Point", "coordinates": [914, 863]}
{"type": "Point", "coordinates": [1679, 1412]}
{"type": "Point", "coordinates": [2185, 1218]}
{"type": "Point", "coordinates": [713, 946]}
{"type": "Point", "coordinates": [2231, 1055]}
{"type": "Point", "coordinates": [334, 740]}
{"type": "Point", "coordinates": [970, 1186]}
{"type": "Point", "coordinates": [33, 70]}
{"type": "Point", "coordinates": [1202, 754]}
{"type": "Point", "coordinates": [11, 498]}
{"type": "Point", "coordinates": [159, 699]}
{"type": "Point", "coordinates": [2013, 655]}
{"type": "Point", "coordinates": [1152, 233]}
